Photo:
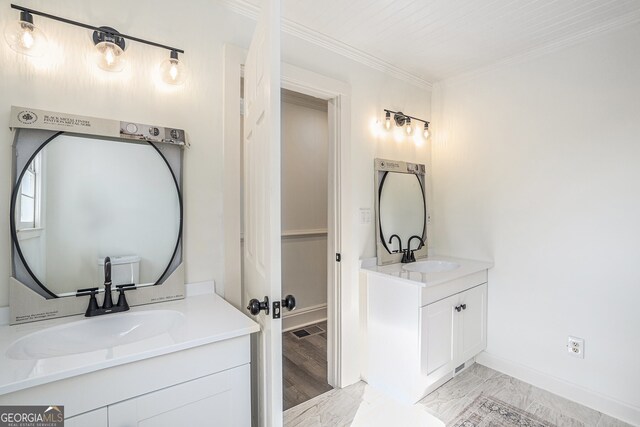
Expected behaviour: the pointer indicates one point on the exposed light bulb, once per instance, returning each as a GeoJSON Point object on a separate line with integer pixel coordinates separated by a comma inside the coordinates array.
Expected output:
{"type": "Point", "coordinates": [110, 49]}
{"type": "Point", "coordinates": [110, 56]}
{"type": "Point", "coordinates": [27, 40]}
{"type": "Point", "coordinates": [426, 130]}
{"type": "Point", "coordinates": [172, 70]}
{"type": "Point", "coordinates": [387, 120]}
{"type": "Point", "coordinates": [409, 128]}
{"type": "Point", "coordinates": [24, 37]}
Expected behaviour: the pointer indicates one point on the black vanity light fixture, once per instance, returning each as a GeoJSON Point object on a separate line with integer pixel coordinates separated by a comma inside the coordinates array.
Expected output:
{"type": "Point", "coordinates": [24, 37]}
{"type": "Point", "coordinates": [402, 119]}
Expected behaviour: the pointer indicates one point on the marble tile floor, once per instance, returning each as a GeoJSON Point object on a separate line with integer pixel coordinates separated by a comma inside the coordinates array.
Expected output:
{"type": "Point", "coordinates": [361, 405]}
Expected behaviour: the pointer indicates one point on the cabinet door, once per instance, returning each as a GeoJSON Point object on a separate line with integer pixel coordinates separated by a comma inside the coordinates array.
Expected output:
{"type": "Point", "coordinates": [472, 329]}
{"type": "Point", "coordinates": [222, 399]}
{"type": "Point", "coordinates": [437, 332]}
{"type": "Point", "coordinates": [97, 418]}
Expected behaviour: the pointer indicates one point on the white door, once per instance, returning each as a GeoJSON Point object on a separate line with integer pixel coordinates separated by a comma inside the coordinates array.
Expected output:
{"type": "Point", "coordinates": [262, 232]}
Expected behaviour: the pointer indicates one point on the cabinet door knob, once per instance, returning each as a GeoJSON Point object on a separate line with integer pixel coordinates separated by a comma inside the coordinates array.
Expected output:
{"type": "Point", "coordinates": [464, 306]}
{"type": "Point", "coordinates": [458, 308]}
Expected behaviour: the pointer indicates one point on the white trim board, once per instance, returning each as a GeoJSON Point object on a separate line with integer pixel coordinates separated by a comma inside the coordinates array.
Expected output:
{"type": "Point", "coordinates": [574, 392]}
{"type": "Point", "coordinates": [303, 317]}
{"type": "Point", "coordinates": [249, 10]}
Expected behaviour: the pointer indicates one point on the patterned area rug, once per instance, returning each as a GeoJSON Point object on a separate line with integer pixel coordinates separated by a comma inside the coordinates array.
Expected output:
{"type": "Point", "coordinates": [488, 411]}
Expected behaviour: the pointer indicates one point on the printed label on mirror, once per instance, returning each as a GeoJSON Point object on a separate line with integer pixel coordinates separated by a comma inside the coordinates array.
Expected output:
{"type": "Point", "coordinates": [31, 118]}
{"type": "Point", "coordinates": [32, 317]}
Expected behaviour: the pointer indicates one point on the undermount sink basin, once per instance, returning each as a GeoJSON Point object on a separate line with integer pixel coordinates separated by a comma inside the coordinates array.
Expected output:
{"type": "Point", "coordinates": [94, 334]}
{"type": "Point", "coordinates": [431, 266]}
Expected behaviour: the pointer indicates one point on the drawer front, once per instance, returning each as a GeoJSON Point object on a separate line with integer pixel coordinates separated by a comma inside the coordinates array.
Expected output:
{"type": "Point", "coordinates": [222, 399]}
{"type": "Point", "coordinates": [439, 292]}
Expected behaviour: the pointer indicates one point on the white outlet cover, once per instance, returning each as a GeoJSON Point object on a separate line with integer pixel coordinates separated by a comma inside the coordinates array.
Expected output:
{"type": "Point", "coordinates": [575, 347]}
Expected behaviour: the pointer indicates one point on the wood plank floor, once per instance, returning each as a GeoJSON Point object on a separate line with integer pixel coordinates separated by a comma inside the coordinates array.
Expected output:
{"type": "Point", "coordinates": [304, 367]}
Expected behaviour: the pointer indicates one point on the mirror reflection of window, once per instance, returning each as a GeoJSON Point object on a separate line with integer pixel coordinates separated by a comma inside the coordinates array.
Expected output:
{"type": "Point", "coordinates": [30, 196]}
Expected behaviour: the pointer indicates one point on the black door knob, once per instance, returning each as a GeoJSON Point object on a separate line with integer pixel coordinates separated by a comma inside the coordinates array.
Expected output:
{"type": "Point", "coordinates": [289, 302]}
{"type": "Point", "coordinates": [464, 306]}
{"type": "Point", "coordinates": [458, 308]}
{"type": "Point", "coordinates": [255, 306]}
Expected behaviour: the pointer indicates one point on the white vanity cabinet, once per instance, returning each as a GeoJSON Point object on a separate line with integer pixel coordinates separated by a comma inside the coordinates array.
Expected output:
{"type": "Point", "coordinates": [196, 373]}
{"type": "Point", "coordinates": [421, 328]}
{"type": "Point", "coordinates": [450, 334]}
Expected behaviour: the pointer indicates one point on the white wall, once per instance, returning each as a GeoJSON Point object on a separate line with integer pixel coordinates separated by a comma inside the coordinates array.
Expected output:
{"type": "Point", "coordinates": [536, 166]}
{"type": "Point", "coordinates": [67, 80]}
{"type": "Point", "coordinates": [305, 142]}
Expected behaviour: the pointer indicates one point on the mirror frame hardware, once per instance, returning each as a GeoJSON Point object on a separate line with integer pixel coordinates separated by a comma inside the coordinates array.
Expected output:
{"type": "Point", "coordinates": [255, 306]}
{"type": "Point", "coordinates": [289, 302]}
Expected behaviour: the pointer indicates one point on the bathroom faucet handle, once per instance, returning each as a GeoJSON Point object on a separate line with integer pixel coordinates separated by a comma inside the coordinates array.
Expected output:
{"type": "Point", "coordinates": [93, 302]}
{"type": "Point", "coordinates": [122, 299]}
{"type": "Point", "coordinates": [87, 291]}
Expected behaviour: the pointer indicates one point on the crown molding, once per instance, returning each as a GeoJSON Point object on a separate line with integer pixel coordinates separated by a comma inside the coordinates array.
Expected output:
{"type": "Point", "coordinates": [249, 10]}
{"type": "Point", "coordinates": [558, 45]}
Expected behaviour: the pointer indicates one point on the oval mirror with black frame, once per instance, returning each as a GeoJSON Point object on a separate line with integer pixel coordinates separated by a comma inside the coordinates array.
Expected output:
{"type": "Point", "coordinates": [78, 199]}
{"type": "Point", "coordinates": [401, 211]}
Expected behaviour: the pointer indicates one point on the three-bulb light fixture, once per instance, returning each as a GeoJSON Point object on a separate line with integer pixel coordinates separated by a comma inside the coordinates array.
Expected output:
{"type": "Point", "coordinates": [401, 119]}
{"type": "Point", "coordinates": [25, 38]}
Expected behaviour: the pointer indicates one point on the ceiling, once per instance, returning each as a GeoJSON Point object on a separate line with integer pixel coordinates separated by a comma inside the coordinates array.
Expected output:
{"type": "Point", "coordinates": [432, 40]}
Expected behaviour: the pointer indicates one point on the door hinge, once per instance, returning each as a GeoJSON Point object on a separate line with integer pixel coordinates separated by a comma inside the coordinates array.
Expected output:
{"type": "Point", "coordinates": [338, 257]}
{"type": "Point", "coordinates": [276, 309]}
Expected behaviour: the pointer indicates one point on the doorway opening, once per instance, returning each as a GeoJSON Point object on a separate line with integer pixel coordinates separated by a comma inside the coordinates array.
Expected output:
{"type": "Point", "coordinates": [304, 220]}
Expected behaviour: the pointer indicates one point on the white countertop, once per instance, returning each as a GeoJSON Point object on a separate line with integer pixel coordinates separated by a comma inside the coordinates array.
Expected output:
{"type": "Point", "coordinates": [467, 267]}
{"type": "Point", "coordinates": [207, 319]}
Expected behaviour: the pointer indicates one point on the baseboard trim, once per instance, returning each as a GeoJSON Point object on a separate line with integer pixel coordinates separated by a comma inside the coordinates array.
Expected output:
{"type": "Point", "coordinates": [605, 404]}
{"type": "Point", "coordinates": [303, 317]}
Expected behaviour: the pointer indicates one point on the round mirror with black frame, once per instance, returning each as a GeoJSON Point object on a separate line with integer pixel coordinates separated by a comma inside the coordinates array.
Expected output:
{"type": "Point", "coordinates": [401, 213]}
{"type": "Point", "coordinates": [78, 199]}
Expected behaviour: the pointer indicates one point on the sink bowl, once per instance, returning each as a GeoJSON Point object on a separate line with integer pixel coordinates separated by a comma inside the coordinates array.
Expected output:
{"type": "Point", "coordinates": [94, 334]}
{"type": "Point", "coordinates": [431, 266]}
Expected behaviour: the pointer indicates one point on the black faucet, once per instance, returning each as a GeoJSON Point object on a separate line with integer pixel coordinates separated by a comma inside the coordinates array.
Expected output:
{"type": "Point", "coordinates": [409, 254]}
{"type": "Point", "coordinates": [107, 303]}
{"type": "Point", "coordinates": [399, 242]}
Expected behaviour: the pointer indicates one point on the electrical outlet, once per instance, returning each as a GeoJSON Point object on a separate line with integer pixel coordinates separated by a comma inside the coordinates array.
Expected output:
{"type": "Point", "coordinates": [575, 347]}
